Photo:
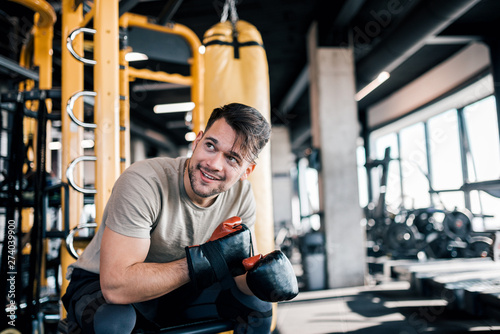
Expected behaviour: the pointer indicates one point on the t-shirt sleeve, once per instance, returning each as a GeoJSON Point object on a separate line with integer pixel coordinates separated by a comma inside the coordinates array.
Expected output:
{"type": "Point", "coordinates": [134, 204]}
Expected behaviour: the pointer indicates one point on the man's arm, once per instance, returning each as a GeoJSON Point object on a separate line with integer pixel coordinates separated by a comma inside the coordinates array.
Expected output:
{"type": "Point", "coordinates": [125, 278]}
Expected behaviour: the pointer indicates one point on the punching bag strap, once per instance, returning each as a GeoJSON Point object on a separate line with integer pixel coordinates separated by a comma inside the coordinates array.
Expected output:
{"type": "Point", "coordinates": [230, 5]}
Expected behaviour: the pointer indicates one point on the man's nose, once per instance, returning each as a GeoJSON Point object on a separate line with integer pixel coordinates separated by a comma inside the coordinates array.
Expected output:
{"type": "Point", "coordinates": [217, 161]}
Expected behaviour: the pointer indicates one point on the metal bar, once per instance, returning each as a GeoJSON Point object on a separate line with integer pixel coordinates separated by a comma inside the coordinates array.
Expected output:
{"type": "Point", "coordinates": [34, 94]}
{"type": "Point", "coordinates": [32, 114]}
{"type": "Point", "coordinates": [14, 67]}
{"type": "Point", "coordinates": [88, 17]}
{"type": "Point", "coordinates": [464, 152]}
{"type": "Point", "coordinates": [168, 11]}
{"type": "Point", "coordinates": [159, 76]}
{"type": "Point", "coordinates": [398, 138]}
{"type": "Point", "coordinates": [429, 162]}
{"type": "Point", "coordinates": [36, 235]}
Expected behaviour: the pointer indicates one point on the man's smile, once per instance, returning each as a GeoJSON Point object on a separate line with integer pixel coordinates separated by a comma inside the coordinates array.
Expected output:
{"type": "Point", "coordinates": [209, 176]}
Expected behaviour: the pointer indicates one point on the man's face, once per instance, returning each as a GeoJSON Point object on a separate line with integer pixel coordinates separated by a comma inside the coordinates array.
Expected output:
{"type": "Point", "coordinates": [216, 164]}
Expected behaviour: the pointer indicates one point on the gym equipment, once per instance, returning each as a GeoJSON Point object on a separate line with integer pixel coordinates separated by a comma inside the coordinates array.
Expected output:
{"type": "Point", "coordinates": [457, 224]}
{"type": "Point", "coordinates": [430, 232]}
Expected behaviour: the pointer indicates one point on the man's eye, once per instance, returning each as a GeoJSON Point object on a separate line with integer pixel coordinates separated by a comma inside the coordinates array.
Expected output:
{"type": "Point", "coordinates": [233, 160]}
{"type": "Point", "coordinates": [210, 146]}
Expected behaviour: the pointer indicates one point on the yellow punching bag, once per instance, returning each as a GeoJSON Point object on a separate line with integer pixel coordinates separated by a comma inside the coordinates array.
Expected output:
{"type": "Point", "coordinates": [236, 71]}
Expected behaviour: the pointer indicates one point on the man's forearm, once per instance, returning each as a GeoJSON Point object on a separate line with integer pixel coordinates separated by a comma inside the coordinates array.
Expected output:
{"type": "Point", "coordinates": [144, 281]}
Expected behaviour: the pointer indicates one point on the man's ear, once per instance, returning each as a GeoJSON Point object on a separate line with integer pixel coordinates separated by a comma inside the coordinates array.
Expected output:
{"type": "Point", "coordinates": [247, 172]}
{"type": "Point", "coordinates": [197, 139]}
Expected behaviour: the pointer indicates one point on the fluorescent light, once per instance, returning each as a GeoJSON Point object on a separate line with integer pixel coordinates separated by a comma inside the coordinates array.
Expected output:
{"type": "Point", "coordinates": [87, 143]}
{"type": "Point", "coordinates": [202, 49]}
{"type": "Point", "coordinates": [135, 56]}
{"type": "Point", "coordinates": [173, 107]}
{"type": "Point", "coordinates": [381, 78]}
{"type": "Point", "coordinates": [54, 145]}
{"type": "Point", "coordinates": [190, 136]}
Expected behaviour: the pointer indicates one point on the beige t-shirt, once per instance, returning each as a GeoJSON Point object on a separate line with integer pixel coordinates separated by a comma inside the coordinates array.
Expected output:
{"type": "Point", "coordinates": [149, 201]}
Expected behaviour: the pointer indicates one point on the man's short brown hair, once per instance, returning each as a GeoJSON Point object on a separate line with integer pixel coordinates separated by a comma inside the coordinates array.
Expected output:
{"type": "Point", "coordinates": [250, 126]}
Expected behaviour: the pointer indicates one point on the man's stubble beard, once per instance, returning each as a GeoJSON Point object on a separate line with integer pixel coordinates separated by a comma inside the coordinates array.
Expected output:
{"type": "Point", "coordinates": [192, 179]}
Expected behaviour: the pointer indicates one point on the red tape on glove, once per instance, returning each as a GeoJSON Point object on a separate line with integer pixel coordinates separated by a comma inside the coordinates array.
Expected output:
{"type": "Point", "coordinates": [226, 227]}
{"type": "Point", "coordinates": [250, 262]}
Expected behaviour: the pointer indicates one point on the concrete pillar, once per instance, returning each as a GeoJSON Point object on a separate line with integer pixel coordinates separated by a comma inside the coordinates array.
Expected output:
{"type": "Point", "coordinates": [494, 47]}
{"type": "Point", "coordinates": [282, 160]}
{"type": "Point", "coordinates": [335, 130]}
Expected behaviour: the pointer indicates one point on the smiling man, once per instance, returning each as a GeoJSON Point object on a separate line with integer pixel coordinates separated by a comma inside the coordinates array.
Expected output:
{"type": "Point", "coordinates": [174, 235]}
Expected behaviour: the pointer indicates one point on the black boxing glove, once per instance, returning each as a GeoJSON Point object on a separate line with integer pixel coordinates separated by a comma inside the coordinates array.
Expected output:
{"type": "Point", "coordinates": [271, 278]}
{"type": "Point", "coordinates": [221, 255]}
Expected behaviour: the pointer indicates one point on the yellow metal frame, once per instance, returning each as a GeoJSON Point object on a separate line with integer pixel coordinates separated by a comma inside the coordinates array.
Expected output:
{"type": "Point", "coordinates": [195, 80]}
{"type": "Point", "coordinates": [124, 112]}
{"type": "Point", "coordinates": [107, 101]}
{"type": "Point", "coordinates": [72, 135]}
{"type": "Point", "coordinates": [45, 10]}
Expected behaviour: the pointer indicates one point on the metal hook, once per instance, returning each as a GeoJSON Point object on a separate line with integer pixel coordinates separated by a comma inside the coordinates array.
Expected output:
{"type": "Point", "coordinates": [71, 235]}
{"type": "Point", "coordinates": [69, 45]}
{"type": "Point", "coordinates": [70, 105]}
{"type": "Point", "coordinates": [70, 171]}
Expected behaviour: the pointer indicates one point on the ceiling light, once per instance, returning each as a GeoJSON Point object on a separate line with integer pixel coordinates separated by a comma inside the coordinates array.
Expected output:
{"type": "Point", "coordinates": [135, 56]}
{"type": "Point", "coordinates": [202, 49]}
{"type": "Point", "coordinates": [381, 78]}
{"type": "Point", "coordinates": [173, 107]}
{"type": "Point", "coordinates": [87, 143]}
{"type": "Point", "coordinates": [190, 136]}
{"type": "Point", "coordinates": [54, 145]}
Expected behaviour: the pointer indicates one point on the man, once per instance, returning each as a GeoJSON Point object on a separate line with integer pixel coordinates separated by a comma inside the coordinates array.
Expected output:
{"type": "Point", "coordinates": [150, 262]}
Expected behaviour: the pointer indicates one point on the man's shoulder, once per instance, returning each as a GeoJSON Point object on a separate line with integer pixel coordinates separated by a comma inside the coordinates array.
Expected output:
{"type": "Point", "coordinates": [240, 188]}
{"type": "Point", "coordinates": [157, 165]}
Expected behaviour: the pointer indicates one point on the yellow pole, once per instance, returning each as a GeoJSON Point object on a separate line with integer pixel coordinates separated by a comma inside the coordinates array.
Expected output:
{"type": "Point", "coordinates": [107, 102]}
{"type": "Point", "coordinates": [124, 112]}
{"type": "Point", "coordinates": [42, 58]}
{"type": "Point", "coordinates": [72, 135]}
{"type": "Point", "coordinates": [29, 126]}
